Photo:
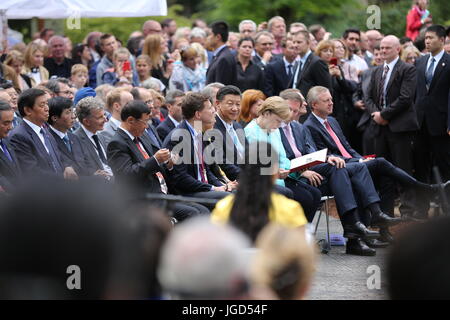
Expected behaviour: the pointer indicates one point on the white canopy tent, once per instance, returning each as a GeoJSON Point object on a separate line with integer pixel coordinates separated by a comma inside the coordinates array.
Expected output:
{"type": "Point", "coordinates": [62, 9]}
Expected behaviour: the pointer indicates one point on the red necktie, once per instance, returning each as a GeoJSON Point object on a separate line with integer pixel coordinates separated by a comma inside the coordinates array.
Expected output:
{"type": "Point", "coordinates": [159, 175]}
{"type": "Point", "coordinates": [336, 140]}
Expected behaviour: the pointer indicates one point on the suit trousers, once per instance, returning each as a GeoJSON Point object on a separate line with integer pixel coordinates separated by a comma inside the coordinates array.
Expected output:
{"type": "Point", "coordinates": [308, 196]}
{"type": "Point", "coordinates": [396, 147]}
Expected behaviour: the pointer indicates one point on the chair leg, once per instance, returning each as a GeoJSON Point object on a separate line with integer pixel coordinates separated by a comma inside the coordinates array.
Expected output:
{"type": "Point", "coordinates": [327, 217]}
{"type": "Point", "coordinates": [318, 221]}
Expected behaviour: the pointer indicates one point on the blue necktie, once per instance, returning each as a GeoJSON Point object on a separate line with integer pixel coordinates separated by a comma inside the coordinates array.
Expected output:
{"type": "Point", "coordinates": [5, 150]}
{"type": "Point", "coordinates": [429, 74]}
{"type": "Point", "coordinates": [236, 141]}
{"type": "Point", "coordinates": [54, 159]}
{"type": "Point", "coordinates": [67, 142]}
{"type": "Point", "coordinates": [153, 137]}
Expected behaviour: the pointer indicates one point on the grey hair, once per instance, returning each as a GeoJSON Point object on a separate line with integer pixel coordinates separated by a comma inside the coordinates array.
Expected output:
{"type": "Point", "coordinates": [247, 22]}
{"type": "Point", "coordinates": [214, 266]}
{"type": "Point", "coordinates": [197, 33]}
{"type": "Point", "coordinates": [272, 20]}
{"type": "Point", "coordinates": [208, 90]}
{"type": "Point", "coordinates": [53, 84]}
{"type": "Point", "coordinates": [263, 33]}
{"type": "Point", "coordinates": [291, 94]}
{"type": "Point", "coordinates": [172, 95]}
{"type": "Point", "coordinates": [86, 105]}
{"type": "Point", "coordinates": [314, 93]}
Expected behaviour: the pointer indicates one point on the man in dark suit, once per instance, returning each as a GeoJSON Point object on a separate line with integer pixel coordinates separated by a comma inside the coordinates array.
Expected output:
{"type": "Point", "coordinates": [327, 133]}
{"type": "Point", "coordinates": [140, 166]}
{"type": "Point", "coordinates": [394, 120]}
{"type": "Point", "coordinates": [264, 44]}
{"type": "Point", "coordinates": [9, 168]}
{"type": "Point", "coordinates": [350, 184]}
{"type": "Point", "coordinates": [192, 176]}
{"type": "Point", "coordinates": [222, 68]}
{"type": "Point", "coordinates": [36, 149]}
{"type": "Point", "coordinates": [310, 70]}
{"type": "Point", "coordinates": [60, 120]}
{"type": "Point", "coordinates": [432, 103]}
{"type": "Point", "coordinates": [174, 99]}
{"type": "Point", "coordinates": [278, 73]}
{"type": "Point", "coordinates": [91, 115]}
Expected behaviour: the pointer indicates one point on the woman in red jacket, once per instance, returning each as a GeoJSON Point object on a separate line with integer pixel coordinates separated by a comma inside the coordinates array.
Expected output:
{"type": "Point", "coordinates": [417, 17]}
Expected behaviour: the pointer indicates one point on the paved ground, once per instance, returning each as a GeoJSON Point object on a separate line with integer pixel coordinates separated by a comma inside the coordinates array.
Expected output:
{"type": "Point", "coordinates": [344, 277]}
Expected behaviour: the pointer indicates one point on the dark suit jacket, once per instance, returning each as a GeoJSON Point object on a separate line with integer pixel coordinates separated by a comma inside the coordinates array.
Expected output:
{"type": "Point", "coordinates": [322, 138]}
{"type": "Point", "coordinates": [10, 173]}
{"type": "Point", "coordinates": [400, 90]}
{"type": "Point", "coordinates": [314, 73]}
{"type": "Point", "coordinates": [433, 105]}
{"type": "Point", "coordinates": [78, 157]}
{"type": "Point", "coordinates": [222, 68]}
{"type": "Point", "coordinates": [230, 165]}
{"type": "Point", "coordinates": [32, 156]}
{"type": "Point", "coordinates": [276, 78]}
{"type": "Point", "coordinates": [90, 151]}
{"type": "Point", "coordinates": [164, 128]}
{"type": "Point", "coordinates": [129, 165]}
{"type": "Point", "coordinates": [302, 137]}
{"type": "Point", "coordinates": [185, 175]}
{"type": "Point", "coordinates": [360, 94]}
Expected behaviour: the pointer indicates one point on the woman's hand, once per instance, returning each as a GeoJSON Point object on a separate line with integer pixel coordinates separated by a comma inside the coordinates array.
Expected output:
{"type": "Point", "coordinates": [283, 174]}
{"type": "Point", "coordinates": [335, 71]}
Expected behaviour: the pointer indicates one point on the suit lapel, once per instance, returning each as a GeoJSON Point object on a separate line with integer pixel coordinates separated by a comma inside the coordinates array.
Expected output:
{"type": "Point", "coordinates": [393, 75]}
{"type": "Point", "coordinates": [91, 148]}
{"type": "Point", "coordinates": [299, 138]}
{"type": "Point", "coordinates": [37, 142]}
{"type": "Point", "coordinates": [439, 68]}
{"type": "Point", "coordinates": [304, 68]}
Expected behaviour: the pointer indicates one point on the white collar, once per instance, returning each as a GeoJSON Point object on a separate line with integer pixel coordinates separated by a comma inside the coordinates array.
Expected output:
{"type": "Point", "coordinates": [227, 125]}
{"type": "Point", "coordinates": [59, 133]}
{"type": "Point", "coordinates": [438, 56]}
{"type": "Point", "coordinates": [322, 121]}
{"type": "Point", "coordinates": [287, 63]}
{"type": "Point", "coordinates": [391, 64]}
{"type": "Point", "coordinates": [88, 133]}
{"type": "Point", "coordinates": [128, 133]}
{"type": "Point", "coordinates": [33, 126]}
{"type": "Point", "coordinates": [115, 121]}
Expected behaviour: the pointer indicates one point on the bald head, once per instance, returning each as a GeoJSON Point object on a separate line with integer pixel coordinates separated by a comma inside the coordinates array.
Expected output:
{"type": "Point", "coordinates": [373, 37]}
{"type": "Point", "coordinates": [151, 27]}
{"type": "Point", "coordinates": [390, 48]}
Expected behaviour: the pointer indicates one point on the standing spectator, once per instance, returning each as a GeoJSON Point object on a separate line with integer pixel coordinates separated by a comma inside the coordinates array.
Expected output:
{"type": "Point", "coordinates": [46, 34]}
{"type": "Point", "coordinates": [82, 55]}
{"type": "Point", "coordinates": [249, 75]}
{"type": "Point", "coordinates": [144, 71]}
{"type": "Point", "coordinates": [410, 54]}
{"type": "Point", "coordinates": [34, 64]}
{"type": "Point", "coordinates": [121, 70]}
{"type": "Point", "coordinates": [432, 103]}
{"type": "Point", "coordinates": [221, 69]}
{"type": "Point", "coordinates": [188, 75]}
{"type": "Point", "coordinates": [352, 39]}
{"type": "Point", "coordinates": [108, 45]}
{"type": "Point", "coordinates": [57, 64]}
{"type": "Point", "coordinates": [79, 76]}
{"type": "Point", "coordinates": [264, 42]}
{"type": "Point", "coordinates": [15, 60]}
{"type": "Point", "coordinates": [394, 120]}
{"type": "Point", "coordinates": [373, 38]}
{"type": "Point", "coordinates": [93, 43]}
{"type": "Point", "coordinates": [418, 17]}
{"type": "Point", "coordinates": [247, 28]}
{"type": "Point", "coordinates": [277, 27]}
{"type": "Point", "coordinates": [60, 88]}
{"type": "Point", "coordinates": [155, 47]}
{"type": "Point", "coordinates": [341, 54]}
{"type": "Point", "coordinates": [174, 100]}
{"type": "Point", "coordinates": [318, 32]}
{"type": "Point", "coordinates": [169, 27]}
{"type": "Point", "coordinates": [151, 27]}
{"type": "Point", "coordinates": [279, 73]}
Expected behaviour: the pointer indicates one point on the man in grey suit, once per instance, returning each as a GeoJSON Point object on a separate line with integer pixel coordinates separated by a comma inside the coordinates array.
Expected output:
{"type": "Point", "coordinates": [91, 114]}
{"type": "Point", "coordinates": [115, 101]}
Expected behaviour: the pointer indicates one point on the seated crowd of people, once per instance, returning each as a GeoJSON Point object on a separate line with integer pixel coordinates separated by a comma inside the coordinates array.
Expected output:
{"type": "Point", "coordinates": [199, 126]}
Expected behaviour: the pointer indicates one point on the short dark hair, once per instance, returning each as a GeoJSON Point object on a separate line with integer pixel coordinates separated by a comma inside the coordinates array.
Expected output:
{"type": "Point", "coordinates": [27, 99]}
{"type": "Point", "coordinates": [135, 93]}
{"type": "Point", "coordinates": [228, 90]}
{"type": "Point", "coordinates": [135, 109]}
{"type": "Point", "coordinates": [404, 40]}
{"type": "Point", "coordinates": [350, 30]}
{"type": "Point", "coordinates": [192, 103]}
{"type": "Point", "coordinates": [173, 94]}
{"type": "Point", "coordinates": [220, 27]}
{"type": "Point", "coordinates": [105, 36]}
{"type": "Point", "coordinates": [438, 29]}
{"type": "Point", "coordinates": [246, 39]}
{"type": "Point", "coordinates": [56, 107]}
{"type": "Point", "coordinates": [166, 22]}
{"type": "Point", "coordinates": [4, 106]}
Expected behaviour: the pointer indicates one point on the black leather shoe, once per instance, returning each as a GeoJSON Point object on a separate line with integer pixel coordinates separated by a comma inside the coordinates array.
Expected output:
{"type": "Point", "coordinates": [386, 236]}
{"type": "Point", "coordinates": [374, 243]}
{"type": "Point", "coordinates": [359, 248]}
{"type": "Point", "coordinates": [359, 230]}
{"type": "Point", "coordinates": [381, 219]}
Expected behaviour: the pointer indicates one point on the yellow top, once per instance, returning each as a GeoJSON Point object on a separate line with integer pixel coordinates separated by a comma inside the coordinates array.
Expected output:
{"type": "Point", "coordinates": [284, 211]}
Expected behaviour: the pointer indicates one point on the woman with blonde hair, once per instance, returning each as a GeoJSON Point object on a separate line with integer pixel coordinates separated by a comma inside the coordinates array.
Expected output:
{"type": "Point", "coordinates": [34, 64]}
{"type": "Point", "coordinates": [144, 71]}
{"type": "Point", "coordinates": [410, 54]}
{"type": "Point", "coordinates": [15, 60]}
{"type": "Point", "coordinates": [250, 104]}
{"type": "Point", "coordinates": [187, 74]}
{"type": "Point", "coordinates": [273, 112]}
{"type": "Point", "coordinates": [284, 262]}
{"type": "Point", "coordinates": [155, 46]}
